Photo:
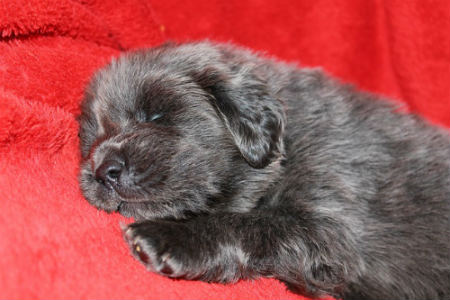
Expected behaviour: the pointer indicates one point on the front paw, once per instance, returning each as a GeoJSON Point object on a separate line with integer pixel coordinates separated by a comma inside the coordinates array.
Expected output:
{"type": "Point", "coordinates": [162, 247]}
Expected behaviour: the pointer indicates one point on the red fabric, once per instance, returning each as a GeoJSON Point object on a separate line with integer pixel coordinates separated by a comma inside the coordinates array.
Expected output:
{"type": "Point", "coordinates": [53, 244]}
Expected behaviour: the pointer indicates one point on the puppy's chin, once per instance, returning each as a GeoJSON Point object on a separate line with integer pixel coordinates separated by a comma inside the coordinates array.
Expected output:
{"type": "Point", "coordinates": [138, 211]}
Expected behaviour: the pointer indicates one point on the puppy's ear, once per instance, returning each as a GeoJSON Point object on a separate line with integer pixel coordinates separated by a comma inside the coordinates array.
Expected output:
{"type": "Point", "coordinates": [254, 117]}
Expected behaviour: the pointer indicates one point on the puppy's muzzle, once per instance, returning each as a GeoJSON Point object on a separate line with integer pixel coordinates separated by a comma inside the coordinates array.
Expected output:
{"type": "Point", "coordinates": [109, 172]}
{"type": "Point", "coordinates": [113, 173]}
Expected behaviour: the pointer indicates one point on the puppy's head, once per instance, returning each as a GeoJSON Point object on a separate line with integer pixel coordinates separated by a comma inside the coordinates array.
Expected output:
{"type": "Point", "coordinates": [179, 130]}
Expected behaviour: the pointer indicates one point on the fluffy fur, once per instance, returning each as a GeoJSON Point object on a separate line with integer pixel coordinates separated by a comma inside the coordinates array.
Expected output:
{"type": "Point", "coordinates": [237, 166]}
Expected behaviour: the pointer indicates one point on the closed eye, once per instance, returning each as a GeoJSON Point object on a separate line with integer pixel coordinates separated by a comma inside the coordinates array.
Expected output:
{"type": "Point", "coordinates": [155, 117]}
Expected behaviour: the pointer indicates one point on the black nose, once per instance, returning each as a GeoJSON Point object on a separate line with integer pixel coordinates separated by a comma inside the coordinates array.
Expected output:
{"type": "Point", "coordinates": [109, 171]}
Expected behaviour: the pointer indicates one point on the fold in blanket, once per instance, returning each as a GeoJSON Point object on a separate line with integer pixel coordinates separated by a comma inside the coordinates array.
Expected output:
{"type": "Point", "coordinates": [52, 243]}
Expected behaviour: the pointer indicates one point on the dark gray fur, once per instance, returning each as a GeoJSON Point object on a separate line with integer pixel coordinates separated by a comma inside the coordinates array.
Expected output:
{"type": "Point", "coordinates": [237, 166]}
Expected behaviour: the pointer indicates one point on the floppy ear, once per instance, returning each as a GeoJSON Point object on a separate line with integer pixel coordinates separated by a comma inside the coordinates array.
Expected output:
{"type": "Point", "coordinates": [254, 117]}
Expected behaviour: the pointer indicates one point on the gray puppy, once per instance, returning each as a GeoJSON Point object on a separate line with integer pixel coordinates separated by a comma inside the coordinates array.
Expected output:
{"type": "Point", "coordinates": [237, 166]}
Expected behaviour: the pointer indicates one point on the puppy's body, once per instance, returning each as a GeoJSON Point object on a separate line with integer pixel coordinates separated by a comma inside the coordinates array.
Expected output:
{"type": "Point", "coordinates": [238, 167]}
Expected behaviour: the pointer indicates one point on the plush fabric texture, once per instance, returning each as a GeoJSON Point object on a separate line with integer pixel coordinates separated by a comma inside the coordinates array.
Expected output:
{"type": "Point", "coordinates": [53, 244]}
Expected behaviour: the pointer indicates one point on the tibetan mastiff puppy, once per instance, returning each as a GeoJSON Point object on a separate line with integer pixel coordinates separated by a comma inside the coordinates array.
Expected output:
{"type": "Point", "coordinates": [237, 166]}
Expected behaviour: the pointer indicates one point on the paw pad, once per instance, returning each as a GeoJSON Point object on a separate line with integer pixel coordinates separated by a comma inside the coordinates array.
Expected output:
{"type": "Point", "coordinates": [147, 249]}
{"type": "Point", "coordinates": [141, 253]}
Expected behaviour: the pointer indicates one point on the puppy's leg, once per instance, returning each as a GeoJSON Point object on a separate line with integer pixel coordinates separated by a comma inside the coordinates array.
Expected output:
{"type": "Point", "coordinates": [310, 254]}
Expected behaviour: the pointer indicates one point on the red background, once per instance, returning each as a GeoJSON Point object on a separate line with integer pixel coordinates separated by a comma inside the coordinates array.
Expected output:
{"type": "Point", "coordinates": [53, 244]}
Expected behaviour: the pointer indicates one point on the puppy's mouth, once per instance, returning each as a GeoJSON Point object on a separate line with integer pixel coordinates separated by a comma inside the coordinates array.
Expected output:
{"type": "Point", "coordinates": [125, 194]}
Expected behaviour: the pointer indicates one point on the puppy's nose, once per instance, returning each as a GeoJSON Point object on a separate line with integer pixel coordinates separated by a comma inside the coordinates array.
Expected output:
{"type": "Point", "coordinates": [109, 171]}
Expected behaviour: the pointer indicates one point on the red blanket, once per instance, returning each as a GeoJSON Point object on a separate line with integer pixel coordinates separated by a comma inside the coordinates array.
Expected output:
{"type": "Point", "coordinates": [53, 244]}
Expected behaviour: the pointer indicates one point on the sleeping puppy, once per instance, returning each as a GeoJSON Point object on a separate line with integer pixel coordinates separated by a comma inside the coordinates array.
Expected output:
{"type": "Point", "coordinates": [236, 166]}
